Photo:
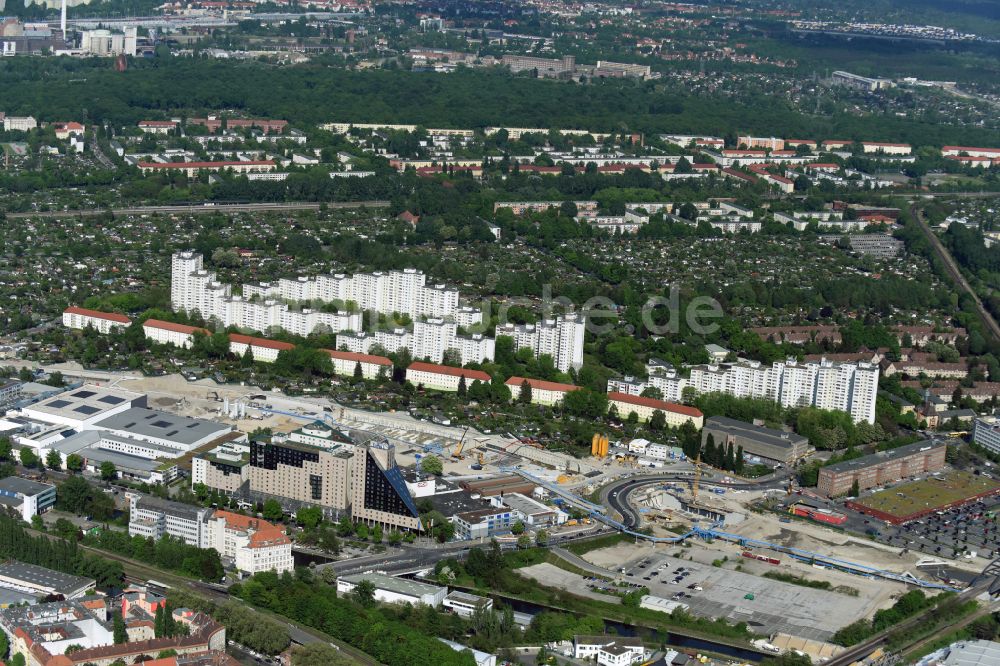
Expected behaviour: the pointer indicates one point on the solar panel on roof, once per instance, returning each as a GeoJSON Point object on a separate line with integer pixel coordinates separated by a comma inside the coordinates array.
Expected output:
{"type": "Point", "coordinates": [84, 394]}
{"type": "Point", "coordinates": [59, 404]}
{"type": "Point", "coordinates": [86, 409]}
{"type": "Point", "coordinates": [111, 400]}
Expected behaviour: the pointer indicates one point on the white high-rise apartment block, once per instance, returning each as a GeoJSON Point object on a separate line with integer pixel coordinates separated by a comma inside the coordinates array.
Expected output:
{"type": "Point", "coordinates": [561, 338]}
{"type": "Point", "coordinates": [265, 306]}
{"type": "Point", "coordinates": [846, 387]}
{"type": "Point", "coordinates": [662, 376]}
{"type": "Point", "coordinates": [430, 338]}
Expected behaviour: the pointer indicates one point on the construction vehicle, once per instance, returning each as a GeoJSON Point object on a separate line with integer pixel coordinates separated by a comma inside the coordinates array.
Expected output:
{"type": "Point", "coordinates": [480, 461]}
{"type": "Point", "coordinates": [457, 452]}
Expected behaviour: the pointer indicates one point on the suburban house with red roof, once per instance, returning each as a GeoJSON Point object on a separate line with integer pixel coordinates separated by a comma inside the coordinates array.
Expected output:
{"type": "Point", "coordinates": [169, 333]}
{"type": "Point", "coordinates": [262, 349]}
{"type": "Point", "coordinates": [254, 545]}
{"type": "Point", "coordinates": [66, 130]}
{"type": "Point", "coordinates": [442, 377]}
{"type": "Point", "coordinates": [43, 632]}
{"type": "Point", "coordinates": [102, 322]}
{"type": "Point", "coordinates": [644, 408]}
{"type": "Point", "coordinates": [542, 392]}
{"type": "Point", "coordinates": [372, 366]}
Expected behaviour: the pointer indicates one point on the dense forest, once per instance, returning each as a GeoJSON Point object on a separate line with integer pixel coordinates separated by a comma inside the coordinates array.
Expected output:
{"type": "Point", "coordinates": [313, 93]}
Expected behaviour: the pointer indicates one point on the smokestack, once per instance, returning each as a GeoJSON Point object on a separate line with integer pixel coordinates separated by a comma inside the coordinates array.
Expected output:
{"type": "Point", "coordinates": [62, 20]}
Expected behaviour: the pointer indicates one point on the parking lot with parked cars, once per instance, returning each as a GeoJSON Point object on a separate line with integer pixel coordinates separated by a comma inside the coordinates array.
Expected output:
{"type": "Point", "coordinates": [767, 606]}
{"type": "Point", "coordinates": [966, 531]}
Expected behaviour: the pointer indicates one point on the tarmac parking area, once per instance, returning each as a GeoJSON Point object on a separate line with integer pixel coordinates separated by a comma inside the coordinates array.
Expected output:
{"type": "Point", "coordinates": [767, 606]}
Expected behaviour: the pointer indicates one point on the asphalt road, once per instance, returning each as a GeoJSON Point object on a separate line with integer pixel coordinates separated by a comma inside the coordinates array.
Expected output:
{"type": "Point", "coordinates": [204, 208]}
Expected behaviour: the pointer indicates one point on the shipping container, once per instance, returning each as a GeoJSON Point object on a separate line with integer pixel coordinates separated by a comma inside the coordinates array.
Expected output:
{"type": "Point", "coordinates": [817, 514]}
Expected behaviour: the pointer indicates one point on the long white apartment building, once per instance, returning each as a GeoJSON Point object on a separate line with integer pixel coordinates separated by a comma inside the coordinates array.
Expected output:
{"type": "Point", "coordinates": [265, 306]}
{"type": "Point", "coordinates": [560, 337]}
{"type": "Point", "coordinates": [430, 338]}
{"type": "Point", "coordinates": [846, 387]}
{"type": "Point", "coordinates": [194, 289]}
{"type": "Point", "coordinates": [102, 322]}
{"type": "Point", "coordinates": [169, 333]}
{"type": "Point", "coordinates": [404, 292]}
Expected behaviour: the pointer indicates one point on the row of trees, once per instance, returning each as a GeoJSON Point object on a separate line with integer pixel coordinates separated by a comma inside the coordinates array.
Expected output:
{"type": "Point", "coordinates": [906, 606]}
{"type": "Point", "coordinates": [55, 553]}
{"type": "Point", "coordinates": [166, 553]}
{"type": "Point", "coordinates": [243, 625]}
{"type": "Point", "coordinates": [367, 628]}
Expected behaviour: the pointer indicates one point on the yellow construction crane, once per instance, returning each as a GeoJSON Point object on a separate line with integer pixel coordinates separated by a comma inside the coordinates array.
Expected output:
{"type": "Point", "coordinates": [457, 453]}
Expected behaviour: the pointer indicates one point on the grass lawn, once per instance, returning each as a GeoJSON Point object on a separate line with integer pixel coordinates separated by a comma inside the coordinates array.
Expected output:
{"type": "Point", "coordinates": [929, 493]}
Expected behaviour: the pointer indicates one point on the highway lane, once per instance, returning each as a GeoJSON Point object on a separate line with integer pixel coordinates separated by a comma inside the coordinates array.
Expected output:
{"type": "Point", "coordinates": [198, 209]}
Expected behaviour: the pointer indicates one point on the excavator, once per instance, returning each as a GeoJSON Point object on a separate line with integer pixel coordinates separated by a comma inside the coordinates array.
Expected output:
{"type": "Point", "coordinates": [480, 461]}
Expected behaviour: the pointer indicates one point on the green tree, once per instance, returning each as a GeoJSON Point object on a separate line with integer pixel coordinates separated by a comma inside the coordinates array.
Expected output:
{"type": "Point", "coordinates": [309, 516]}
{"type": "Point", "coordinates": [273, 511]}
{"type": "Point", "coordinates": [432, 465]}
{"type": "Point", "coordinates": [28, 457]}
{"type": "Point", "coordinates": [855, 489]}
{"type": "Point", "coordinates": [53, 460]}
{"type": "Point", "coordinates": [524, 395]}
{"type": "Point", "coordinates": [658, 421]}
{"type": "Point", "coordinates": [108, 470]}
{"type": "Point", "coordinates": [358, 372]}
{"type": "Point", "coordinates": [74, 462]}
{"type": "Point", "coordinates": [345, 527]}
{"type": "Point", "coordinates": [541, 537]}
{"type": "Point", "coordinates": [118, 628]}
{"type": "Point", "coordinates": [364, 593]}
